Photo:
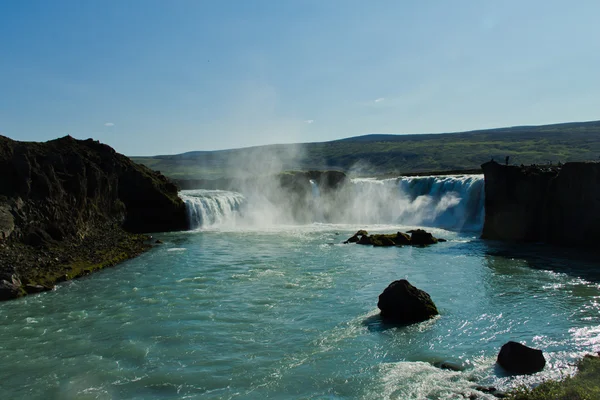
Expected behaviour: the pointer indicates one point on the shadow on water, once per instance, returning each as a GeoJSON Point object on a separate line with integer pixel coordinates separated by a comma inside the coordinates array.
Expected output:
{"type": "Point", "coordinates": [580, 263]}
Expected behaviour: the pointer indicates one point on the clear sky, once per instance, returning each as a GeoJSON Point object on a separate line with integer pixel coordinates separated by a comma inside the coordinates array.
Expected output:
{"type": "Point", "coordinates": [161, 77]}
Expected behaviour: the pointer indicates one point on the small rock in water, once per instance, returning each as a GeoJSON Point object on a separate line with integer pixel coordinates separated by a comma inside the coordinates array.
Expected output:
{"type": "Point", "coordinates": [158, 241]}
{"type": "Point", "coordinates": [448, 365]}
{"type": "Point", "coordinates": [403, 303]}
{"type": "Point", "coordinates": [517, 358]}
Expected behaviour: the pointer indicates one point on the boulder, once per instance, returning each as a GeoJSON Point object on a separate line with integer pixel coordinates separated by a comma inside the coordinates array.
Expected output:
{"type": "Point", "coordinates": [356, 237]}
{"type": "Point", "coordinates": [32, 288]}
{"type": "Point", "coordinates": [403, 303]}
{"type": "Point", "coordinates": [419, 237]}
{"type": "Point", "coordinates": [10, 288]}
{"type": "Point", "coordinates": [383, 240]}
{"type": "Point", "coordinates": [402, 238]}
{"type": "Point", "coordinates": [365, 240]}
{"type": "Point", "coordinates": [517, 358]}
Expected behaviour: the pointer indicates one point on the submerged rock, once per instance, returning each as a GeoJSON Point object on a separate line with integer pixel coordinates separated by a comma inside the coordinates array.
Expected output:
{"type": "Point", "coordinates": [403, 303]}
{"type": "Point", "coordinates": [517, 358]}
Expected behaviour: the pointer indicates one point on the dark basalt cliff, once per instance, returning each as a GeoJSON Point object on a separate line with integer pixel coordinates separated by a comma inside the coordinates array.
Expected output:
{"type": "Point", "coordinates": [556, 205]}
{"type": "Point", "coordinates": [69, 206]}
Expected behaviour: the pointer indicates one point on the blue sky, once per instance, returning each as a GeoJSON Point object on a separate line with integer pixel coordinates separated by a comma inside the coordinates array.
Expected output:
{"type": "Point", "coordinates": [161, 77]}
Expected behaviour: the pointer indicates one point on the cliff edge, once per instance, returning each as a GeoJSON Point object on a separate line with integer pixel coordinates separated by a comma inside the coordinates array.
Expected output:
{"type": "Point", "coordinates": [556, 205]}
{"type": "Point", "coordinates": [68, 207]}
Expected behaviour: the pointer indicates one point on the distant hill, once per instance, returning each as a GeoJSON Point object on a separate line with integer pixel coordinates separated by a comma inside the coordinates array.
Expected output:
{"type": "Point", "coordinates": [394, 154]}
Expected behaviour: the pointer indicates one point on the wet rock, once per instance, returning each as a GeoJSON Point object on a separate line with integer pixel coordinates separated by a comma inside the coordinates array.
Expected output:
{"type": "Point", "coordinates": [420, 237]}
{"type": "Point", "coordinates": [383, 240]}
{"type": "Point", "coordinates": [158, 241]}
{"type": "Point", "coordinates": [365, 240]}
{"type": "Point", "coordinates": [10, 288]}
{"type": "Point", "coordinates": [517, 358]}
{"type": "Point", "coordinates": [403, 303]}
{"type": "Point", "coordinates": [448, 365]}
{"type": "Point", "coordinates": [402, 238]}
{"type": "Point", "coordinates": [356, 237]}
{"type": "Point", "coordinates": [31, 288]}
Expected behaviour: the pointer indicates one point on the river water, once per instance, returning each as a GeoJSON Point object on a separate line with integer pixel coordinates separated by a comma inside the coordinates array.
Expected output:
{"type": "Point", "coordinates": [233, 311]}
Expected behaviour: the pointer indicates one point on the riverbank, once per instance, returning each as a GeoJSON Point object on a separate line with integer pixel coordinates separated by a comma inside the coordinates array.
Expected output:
{"type": "Point", "coordinates": [69, 207]}
{"type": "Point", "coordinates": [585, 385]}
{"type": "Point", "coordinates": [26, 270]}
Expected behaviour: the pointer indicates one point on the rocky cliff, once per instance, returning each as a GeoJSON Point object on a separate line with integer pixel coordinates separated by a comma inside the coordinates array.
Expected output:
{"type": "Point", "coordinates": [557, 205]}
{"type": "Point", "coordinates": [68, 207]}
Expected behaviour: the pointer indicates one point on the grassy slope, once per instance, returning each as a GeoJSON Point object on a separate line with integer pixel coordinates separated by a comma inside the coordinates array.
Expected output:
{"type": "Point", "coordinates": [583, 386]}
{"type": "Point", "coordinates": [399, 153]}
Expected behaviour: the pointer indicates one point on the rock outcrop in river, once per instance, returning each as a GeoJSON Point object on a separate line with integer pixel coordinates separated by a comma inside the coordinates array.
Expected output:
{"type": "Point", "coordinates": [557, 205]}
{"type": "Point", "coordinates": [68, 207]}
{"type": "Point", "coordinates": [517, 358]}
{"type": "Point", "coordinates": [417, 237]}
{"type": "Point", "coordinates": [402, 303]}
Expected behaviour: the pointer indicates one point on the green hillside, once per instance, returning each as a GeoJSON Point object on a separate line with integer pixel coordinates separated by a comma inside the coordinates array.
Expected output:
{"type": "Point", "coordinates": [390, 154]}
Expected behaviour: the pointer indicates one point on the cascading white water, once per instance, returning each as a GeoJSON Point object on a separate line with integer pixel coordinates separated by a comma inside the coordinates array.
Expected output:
{"type": "Point", "coordinates": [457, 201]}
{"type": "Point", "coordinates": [316, 202]}
{"type": "Point", "coordinates": [211, 207]}
{"type": "Point", "coordinates": [450, 202]}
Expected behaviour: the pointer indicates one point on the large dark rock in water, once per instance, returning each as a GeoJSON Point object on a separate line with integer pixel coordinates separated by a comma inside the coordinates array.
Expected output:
{"type": "Point", "coordinates": [517, 358]}
{"type": "Point", "coordinates": [419, 237]}
{"type": "Point", "coordinates": [68, 207]}
{"type": "Point", "coordinates": [403, 303]}
{"type": "Point", "coordinates": [557, 205]}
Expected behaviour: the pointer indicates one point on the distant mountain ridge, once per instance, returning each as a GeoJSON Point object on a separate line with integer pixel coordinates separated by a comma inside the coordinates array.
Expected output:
{"type": "Point", "coordinates": [388, 153]}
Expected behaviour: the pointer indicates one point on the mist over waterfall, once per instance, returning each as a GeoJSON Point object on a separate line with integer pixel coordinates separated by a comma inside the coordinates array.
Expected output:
{"type": "Point", "coordinates": [450, 202]}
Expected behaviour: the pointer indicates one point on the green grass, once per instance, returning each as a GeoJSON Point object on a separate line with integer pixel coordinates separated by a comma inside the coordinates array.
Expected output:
{"type": "Point", "coordinates": [387, 154]}
{"type": "Point", "coordinates": [585, 385]}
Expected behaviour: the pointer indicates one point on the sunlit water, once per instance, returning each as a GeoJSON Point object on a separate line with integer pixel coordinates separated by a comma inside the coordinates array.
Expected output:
{"type": "Point", "coordinates": [287, 313]}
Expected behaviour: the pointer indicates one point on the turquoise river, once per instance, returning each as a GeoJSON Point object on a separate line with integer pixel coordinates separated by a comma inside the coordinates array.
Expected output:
{"type": "Point", "coordinates": [241, 310]}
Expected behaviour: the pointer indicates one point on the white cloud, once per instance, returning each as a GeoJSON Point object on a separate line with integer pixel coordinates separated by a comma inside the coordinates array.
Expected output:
{"type": "Point", "coordinates": [109, 124]}
{"type": "Point", "coordinates": [309, 121]}
{"type": "Point", "coordinates": [379, 100]}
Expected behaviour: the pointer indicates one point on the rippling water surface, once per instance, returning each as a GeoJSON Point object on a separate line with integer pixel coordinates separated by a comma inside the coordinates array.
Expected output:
{"type": "Point", "coordinates": [289, 313]}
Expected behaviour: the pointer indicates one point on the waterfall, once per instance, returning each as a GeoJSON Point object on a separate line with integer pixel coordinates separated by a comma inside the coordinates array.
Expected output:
{"type": "Point", "coordinates": [450, 202]}
{"type": "Point", "coordinates": [211, 207]}
{"type": "Point", "coordinates": [316, 202]}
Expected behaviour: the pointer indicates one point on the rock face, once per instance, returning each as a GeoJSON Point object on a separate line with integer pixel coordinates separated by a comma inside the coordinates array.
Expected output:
{"type": "Point", "coordinates": [403, 303]}
{"type": "Point", "coordinates": [75, 201]}
{"type": "Point", "coordinates": [517, 358]}
{"type": "Point", "coordinates": [557, 205]}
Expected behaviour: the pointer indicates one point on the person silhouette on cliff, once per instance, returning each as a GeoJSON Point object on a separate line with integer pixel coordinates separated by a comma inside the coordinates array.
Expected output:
{"type": "Point", "coordinates": [506, 159]}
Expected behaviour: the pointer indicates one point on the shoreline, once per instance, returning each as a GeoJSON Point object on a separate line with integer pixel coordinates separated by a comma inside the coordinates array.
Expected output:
{"type": "Point", "coordinates": [29, 270]}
